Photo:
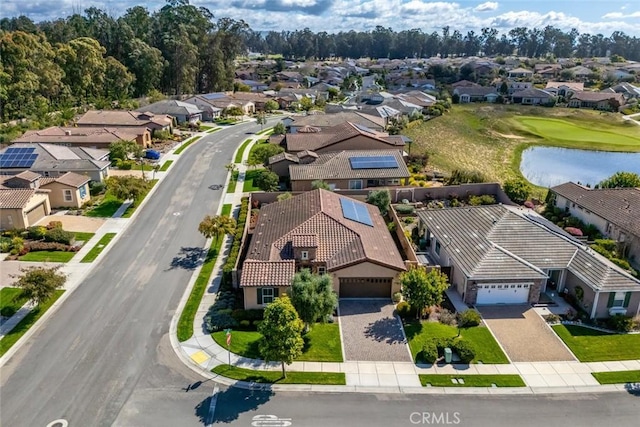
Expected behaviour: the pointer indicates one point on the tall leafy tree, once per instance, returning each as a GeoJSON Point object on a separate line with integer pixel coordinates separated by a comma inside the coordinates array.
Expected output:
{"type": "Point", "coordinates": [312, 296]}
{"type": "Point", "coordinates": [422, 288]}
{"type": "Point", "coordinates": [117, 79]}
{"type": "Point", "coordinates": [84, 66]}
{"type": "Point", "coordinates": [621, 180]}
{"type": "Point", "coordinates": [282, 333]}
{"type": "Point", "coordinates": [127, 187]}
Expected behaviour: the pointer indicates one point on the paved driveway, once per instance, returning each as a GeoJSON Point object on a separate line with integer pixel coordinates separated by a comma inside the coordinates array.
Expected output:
{"type": "Point", "coordinates": [523, 334]}
{"type": "Point", "coordinates": [75, 222]}
{"type": "Point", "coordinates": [370, 332]}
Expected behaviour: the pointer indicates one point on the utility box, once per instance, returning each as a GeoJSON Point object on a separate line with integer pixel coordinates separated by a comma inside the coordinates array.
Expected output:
{"type": "Point", "coordinates": [448, 355]}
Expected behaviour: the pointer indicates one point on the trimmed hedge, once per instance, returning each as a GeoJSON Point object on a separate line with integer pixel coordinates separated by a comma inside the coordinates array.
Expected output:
{"type": "Point", "coordinates": [230, 263]}
{"type": "Point", "coordinates": [59, 235]}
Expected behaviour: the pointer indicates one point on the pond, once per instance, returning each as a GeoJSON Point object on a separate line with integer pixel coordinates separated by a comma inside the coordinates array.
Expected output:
{"type": "Point", "coordinates": [549, 166]}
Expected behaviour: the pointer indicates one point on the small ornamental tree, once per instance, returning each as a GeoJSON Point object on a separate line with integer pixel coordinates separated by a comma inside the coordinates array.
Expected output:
{"type": "Point", "coordinates": [312, 296]}
{"type": "Point", "coordinates": [517, 190]}
{"type": "Point", "coordinates": [261, 119]}
{"type": "Point", "coordinates": [266, 180]}
{"type": "Point", "coordinates": [124, 150]}
{"type": "Point", "coordinates": [281, 330]}
{"type": "Point", "coordinates": [381, 199]}
{"type": "Point", "coordinates": [279, 129]}
{"type": "Point", "coordinates": [271, 106]}
{"type": "Point", "coordinates": [127, 187]}
{"type": "Point", "coordinates": [38, 284]}
{"type": "Point", "coordinates": [216, 226]}
{"type": "Point", "coordinates": [318, 183]}
{"type": "Point", "coordinates": [423, 289]}
{"type": "Point", "coordinates": [260, 154]}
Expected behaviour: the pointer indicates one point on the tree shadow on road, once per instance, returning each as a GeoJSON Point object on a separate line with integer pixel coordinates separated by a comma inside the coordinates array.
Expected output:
{"type": "Point", "coordinates": [385, 330]}
{"type": "Point", "coordinates": [231, 403]}
{"type": "Point", "coordinates": [189, 258]}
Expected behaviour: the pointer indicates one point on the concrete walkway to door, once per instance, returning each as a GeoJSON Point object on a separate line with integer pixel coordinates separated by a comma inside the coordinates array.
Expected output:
{"type": "Point", "coordinates": [370, 331]}
{"type": "Point", "coordinates": [523, 334]}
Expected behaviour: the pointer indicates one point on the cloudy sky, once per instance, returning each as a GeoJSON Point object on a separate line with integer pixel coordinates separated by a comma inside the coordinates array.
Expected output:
{"type": "Point", "coordinates": [592, 16]}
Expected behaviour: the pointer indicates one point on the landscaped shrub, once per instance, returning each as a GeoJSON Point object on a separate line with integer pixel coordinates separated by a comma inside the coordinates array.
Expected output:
{"type": "Point", "coordinates": [219, 320]}
{"type": "Point", "coordinates": [37, 232]}
{"type": "Point", "coordinates": [397, 297]}
{"type": "Point", "coordinates": [54, 224]}
{"type": "Point", "coordinates": [8, 311]}
{"type": "Point", "coordinates": [469, 318]}
{"type": "Point", "coordinates": [429, 352]}
{"type": "Point", "coordinates": [230, 263]}
{"type": "Point", "coordinates": [484, 199]}
{"type": "Point", "coordinates": [59, 235]}
{"type": "Point", "coordinates": [447, 317]}
{"type": "Point", "coordinates": [552, 318]}
{"type": "Point", "coordinates": [256, 323]}
{"type": "Point", "coordinates": [244, 325]}
{"type": "Point", "coordinates": [404, 209]}
{"type": "Point", "coordinates": [620, 323]}
{"type": "Point", "coordinates": [96, 188]}
{"type": "Point", "coordinates": [464, 349]}
{"type": "Point", "coordinates": [46, 246]}
{"type": "Point", "coordinates": [405, 311]}
{"type": "Point", "coordinates": [5, 244]}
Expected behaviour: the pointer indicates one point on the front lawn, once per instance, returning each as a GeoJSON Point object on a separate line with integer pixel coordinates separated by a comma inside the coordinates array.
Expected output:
{"type": "Point", "coordinates": [23, 326]}
{"type": "Point", "coordinates": [47, 256]}
{"type": "Point", "coordinates": [472, 380]}
{"type": "Point", "coordinates": [322, 343]}
{"type": "Point", "coordinates": [233, 182]}
{"type": "Point", "coordinates": [248, 180]}
{"type": "Point", "coordinates": [617, 377]}
{"type": "Point", "coordinates": [589, 345]}
{"type": "Point", "coordinates": [107, 207]}
{"type": "Point", "coordinates": [132, 208]}
{"type": "Point", "coordinates": [226, 209]}
{"type": "Point", "coordinates": [240, 152]}
{"type": "Point", "coordinates": [10, 300]}
{"type": "Point", "coordinates": [486, 348]}
{"type": "Point", "coordinates": [275, 377]}
{"type": "Point", "coordinates": [98, 248]}
{"type": "Point", "coordinates": [82, 237]}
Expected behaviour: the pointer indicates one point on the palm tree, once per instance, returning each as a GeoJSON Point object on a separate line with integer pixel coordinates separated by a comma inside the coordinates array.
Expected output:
{"type": "Point", "coordinates": [231, 167]}
{"type": "Point", "coordinates": [216, 226]}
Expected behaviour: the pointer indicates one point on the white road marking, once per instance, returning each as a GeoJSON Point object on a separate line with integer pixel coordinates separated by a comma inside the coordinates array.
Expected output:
{"type": "Point", "coordinates": [58, 423]}
{"type": "Point", "coordinates": [212, 406]}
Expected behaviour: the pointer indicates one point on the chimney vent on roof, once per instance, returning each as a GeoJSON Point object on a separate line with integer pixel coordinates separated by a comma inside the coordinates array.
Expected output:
{"type": "Point", "coordinates": [67, 132]}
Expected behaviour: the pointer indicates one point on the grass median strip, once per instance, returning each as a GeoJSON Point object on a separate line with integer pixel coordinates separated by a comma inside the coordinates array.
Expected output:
{"type": "Point", "coordinates": [23, 326]}
{"type": "Point", "coordinates": [226, 209]}
{"type": "Point", "coordinates": [240, 152]}
{"type": "Point", "coordinates": [275, 377]}
{"type": "Point", "coordinates": [231, 188]}
{"type": "Point", "coordinates": [166, 165]}
{"type": "Point", "coordinates": [98, 248]}
{"type": "Point", "coordinates": [248, 180]}
{"type": "Point", "coordinates": [82, 237]}
{"type": "Point", "coordinates": [617, 377]}
{"type": "Point", "coordinates": [213, 130]}
{"type": "Point", "coordinates": [185, 324]}
{"type": "Point", "coordinates": [438, 380]}
{"type": "Point", "coordinates": [186, 144]}
{"type": "Point", "coordinates": [11, 301]}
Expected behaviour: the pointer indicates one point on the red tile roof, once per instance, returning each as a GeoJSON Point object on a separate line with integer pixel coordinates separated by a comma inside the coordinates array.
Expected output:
{"type": "Point", "coordinates": [267, 273]}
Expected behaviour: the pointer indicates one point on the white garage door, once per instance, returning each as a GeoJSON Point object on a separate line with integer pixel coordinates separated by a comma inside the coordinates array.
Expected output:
{"type": "Point", "coordinates": [503, 293]}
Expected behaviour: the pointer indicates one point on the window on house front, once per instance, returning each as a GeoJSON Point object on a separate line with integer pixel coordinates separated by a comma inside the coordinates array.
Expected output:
{"type": "Point", "coordinates": [355, 184]}
{"type": "Point", "coordinates": [304, 255]}
{"type": "Point", "coordinates": [618, 299]}
{"type": "Point", "coordinates": [266, 295]}
{"type": "Point", "coordinates": [322, 270]}
{"type": "Point", "coordinates": [68, 197]}
{"type": "Point", "coordinates": [438, 247]}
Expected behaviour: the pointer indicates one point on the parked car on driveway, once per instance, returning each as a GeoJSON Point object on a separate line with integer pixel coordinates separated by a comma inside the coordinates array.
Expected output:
{"type": "Point", "coordinates": [152, 154]}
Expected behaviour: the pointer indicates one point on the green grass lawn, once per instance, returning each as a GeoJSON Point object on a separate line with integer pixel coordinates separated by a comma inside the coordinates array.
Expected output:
{"type": "Point", "coordinates": [275, 377]}
{"type": "Point", "coordinates": [10, 298]}
{"type": "Point", "coordinates": [82, 237]}
{"type": "Point", "coordinates": [322, 343]}
{"type": "Point", "coordinates": [581, 134]}
{"type": "Point", "coordinates": [589, 345]}
{"type": "Point", "coordinates": [233, 182]}
{"type": "Point", "coordinates": [47, 256]}
{"type": "Point", "coordinates": [486, 348]}
{"type": "Point", "coordinates": [185, 324]}
{"type": "Point", "coordinates": [240, 152]}
{"type": "Point", "coordinates": [98, 248]}
{"type": "Point", "coordinates": [23, 326]}
{"type": "Point", "coordinates": [226, 209]}
{"type": "Point", "coordinates": [186, 144]}
{"type": "Point", "coordinates": [107, 207]}
{"type": "Point", "coordinates": [617, 377]}
{"type": "Point", "coordinates": [205, 128]}
{"type": "Point", "coordinates": [213, 130]}
{"type": "Point", "coordinates": [472, 380]}
{"type": "Point", "coordinates": [132, 208]}
{"type": "Point", "coordinates": [166, 165]}
{"type": "Point", "coordinates": [248, 180]}
{"type": "Point", "coordinates": [265, 131]}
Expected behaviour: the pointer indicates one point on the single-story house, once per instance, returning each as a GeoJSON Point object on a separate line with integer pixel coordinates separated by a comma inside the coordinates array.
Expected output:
{"type": "Point", "coordinates": [51, 160]}
{"type": "Point", "coordinates": [513, 86]}
{"type": "Point", "coordinates": [520, 73]}
{"type": "Point", "coordinates": [532, 96]}
{"type": "Point", "coordinates": [22, 207]}
{"type": "Point", "coordinates": [564, 88]}
{"type": "Point", "coordinates": [323, 121]}
{"type": "Point", "coordinates": [345, 136]}
{"type": "Point", "coordinates": [123, 118]}
{"type": "Point", "coordinates": [476, 94]}
{"type": "Point", "coordinates": [183, 112]}
{"type": "Point", "coordinates": [327, 233]}
{"type": "Point", "coordinates": [507, 255]}
{"type": "Point", "coordinates": [279, 164]}
{"type": "Point", "coordinates": [627, 90]}
{"type": "Point", "coordinates": [597, 100]}
{"type": "Point", "coordinates": [91, 137]}
{"type": "Point", "coordinates": [614, 211]}
{"type": "Point", "coordinates": [67, 191]}
{"type": "Point", "coordinates": [352, 170]}
{"type": "Point", "coordinates": [203, 102]}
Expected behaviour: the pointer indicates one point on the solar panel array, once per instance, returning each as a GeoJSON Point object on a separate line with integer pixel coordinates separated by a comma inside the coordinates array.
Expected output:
{"type": "Point", "coordinates": [355, 211]}
{"type": "Point", "coordinates": [373, 162]}
{"type": "Point", "coordinates": [18, 158]}
{"type": "Point", "coordinates": [363, 128]}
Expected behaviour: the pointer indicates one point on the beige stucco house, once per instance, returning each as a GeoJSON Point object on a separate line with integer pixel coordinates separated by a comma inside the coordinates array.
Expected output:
{"type": "Point", "coordinates": [22, 207]}
{"type": "Point", "coordinates": [69, 190]}
{"type": "Point", "coordinates": [327, 233]}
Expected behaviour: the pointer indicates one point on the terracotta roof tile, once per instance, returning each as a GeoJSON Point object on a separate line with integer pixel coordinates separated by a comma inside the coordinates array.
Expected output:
{"type": "Point", "coordinates": [16, 198]}
{"type": "Point", "coordinates": [267, 273]}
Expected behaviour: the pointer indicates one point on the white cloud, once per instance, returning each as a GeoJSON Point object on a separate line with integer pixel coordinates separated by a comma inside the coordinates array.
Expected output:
{"type": "Point", "coordinates": [485, 7]}
{"type": "Point", "coordinates": [620, 15]}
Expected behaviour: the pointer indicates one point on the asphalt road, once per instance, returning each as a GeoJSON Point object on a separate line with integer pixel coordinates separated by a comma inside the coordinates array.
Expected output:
{"type": "Point", "coordinates": [108, 343]}
{"type": "Point", "coordinates": [104, 358]}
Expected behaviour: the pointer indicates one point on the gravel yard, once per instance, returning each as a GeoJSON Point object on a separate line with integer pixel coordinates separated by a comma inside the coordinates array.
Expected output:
{"type": "Point", "coordinates": [523, 334]}
{"type": "Point", "coordinates": [370, 332]}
